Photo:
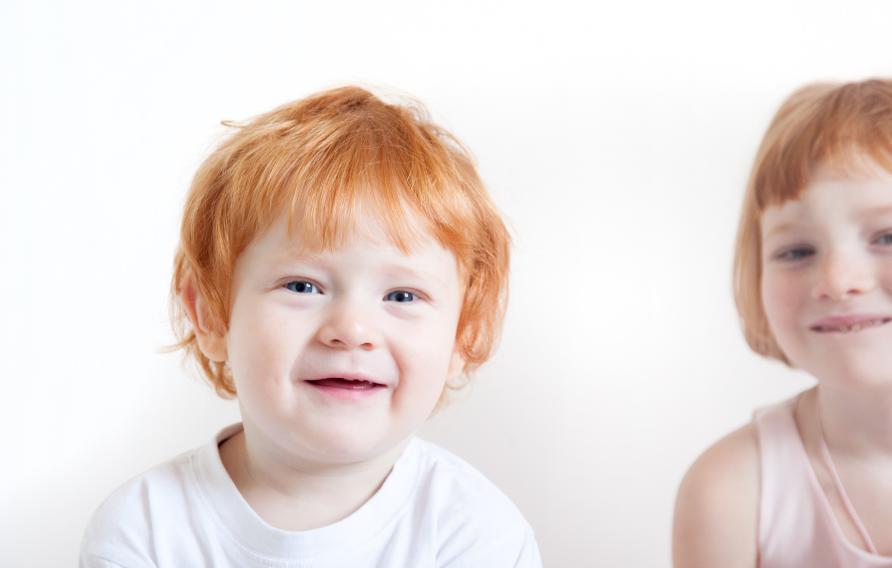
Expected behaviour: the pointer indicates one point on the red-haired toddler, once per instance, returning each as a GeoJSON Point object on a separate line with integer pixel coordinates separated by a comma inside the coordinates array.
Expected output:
{"type": "Point", "coordinates": [340, 267]}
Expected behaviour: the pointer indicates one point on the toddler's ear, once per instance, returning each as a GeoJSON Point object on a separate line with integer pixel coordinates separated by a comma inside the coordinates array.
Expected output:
{"type": "Point", "coordinates": [211, 343]}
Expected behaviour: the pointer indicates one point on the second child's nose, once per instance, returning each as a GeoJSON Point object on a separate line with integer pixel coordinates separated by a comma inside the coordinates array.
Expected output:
{"type": "Point", "coordinates": [349, 328]}
{"type": "Point", "coordinates": [843, 276]}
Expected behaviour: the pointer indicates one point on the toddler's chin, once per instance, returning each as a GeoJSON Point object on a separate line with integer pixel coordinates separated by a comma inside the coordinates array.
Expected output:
{"type": "Point", "coordinates": [346, 445]}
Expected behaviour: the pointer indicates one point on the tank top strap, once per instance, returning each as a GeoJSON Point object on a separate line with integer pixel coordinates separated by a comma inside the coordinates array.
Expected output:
{"type": "Point", "coordinates": [787, 511]}
{"type": "Point", "coordinates": [796, 523]}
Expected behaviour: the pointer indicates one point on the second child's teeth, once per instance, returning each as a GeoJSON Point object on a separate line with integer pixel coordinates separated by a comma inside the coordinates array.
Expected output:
{"type": "Point", "coordinates": [857, 326]}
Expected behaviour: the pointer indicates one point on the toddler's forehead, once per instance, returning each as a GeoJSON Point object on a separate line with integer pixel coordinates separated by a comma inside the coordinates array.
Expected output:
{"type": "Point", "coordinates": [289, 238]}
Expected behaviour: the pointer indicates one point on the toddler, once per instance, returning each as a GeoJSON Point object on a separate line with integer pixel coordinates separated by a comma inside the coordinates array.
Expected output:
{"type": "Point", "coordinates": [341, 266]}
{"type": "Point", "coordinates": [809, 481]}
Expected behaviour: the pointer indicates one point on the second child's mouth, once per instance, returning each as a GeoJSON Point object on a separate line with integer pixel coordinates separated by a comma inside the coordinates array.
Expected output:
{"type": "Point", "coordinates": [843, 326]}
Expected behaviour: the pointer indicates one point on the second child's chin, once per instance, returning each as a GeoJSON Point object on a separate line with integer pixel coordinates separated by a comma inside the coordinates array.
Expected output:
{"type": "Point", "coordinates": [861, 374]}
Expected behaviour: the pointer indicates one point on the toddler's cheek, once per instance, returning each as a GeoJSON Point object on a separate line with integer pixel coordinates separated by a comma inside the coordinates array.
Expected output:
{"type": "Point", "coordinates": [423, 376]}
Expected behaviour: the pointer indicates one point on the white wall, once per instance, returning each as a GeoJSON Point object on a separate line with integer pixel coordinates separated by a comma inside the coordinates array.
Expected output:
{"type": "Point", "coordinates": [615, 137]}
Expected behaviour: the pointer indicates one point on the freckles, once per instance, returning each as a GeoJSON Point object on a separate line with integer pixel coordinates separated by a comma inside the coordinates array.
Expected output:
{"type": "Point", "coordinates": [782, 294]}
{"type": "Point", "coordinates": [885, 276]}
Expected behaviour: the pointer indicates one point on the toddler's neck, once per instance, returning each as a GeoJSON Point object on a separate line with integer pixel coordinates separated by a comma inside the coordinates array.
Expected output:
{"type": "Point", "coordinates": [301, 496]}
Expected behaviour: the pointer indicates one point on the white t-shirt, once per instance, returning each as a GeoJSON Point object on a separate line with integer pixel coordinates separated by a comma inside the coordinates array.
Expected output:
{"type": "Point", "coordinates": [432, 510]}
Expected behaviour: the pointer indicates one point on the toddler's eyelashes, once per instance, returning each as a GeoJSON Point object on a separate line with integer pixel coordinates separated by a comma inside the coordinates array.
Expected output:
{"type": "Point", "coordinates": [401, 296]}
{"type": "Point", "coordinates": [302, 287]}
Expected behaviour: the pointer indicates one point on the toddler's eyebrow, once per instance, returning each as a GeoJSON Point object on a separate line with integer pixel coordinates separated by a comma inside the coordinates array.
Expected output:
{"type": "Point", "coordinates": [401, 271]}
{"type": "Point", "coordinates": [295, 256]}
{"type": "Point", "coordinates": [395, 270]}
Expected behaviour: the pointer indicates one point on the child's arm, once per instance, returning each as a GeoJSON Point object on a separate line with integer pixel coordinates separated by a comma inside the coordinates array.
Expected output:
{"type": "Point", "coordinates": [716, 512]}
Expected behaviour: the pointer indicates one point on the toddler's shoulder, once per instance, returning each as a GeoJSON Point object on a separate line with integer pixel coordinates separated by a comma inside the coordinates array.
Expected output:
{"type": "Point", "coordinates": [122, 527]}
{"type": "Point", "coordinates": [474, 518]}
{"type": "Point", "coordinates": [165, 484]}
{"type": "Point", "coordinates": [443, 474]}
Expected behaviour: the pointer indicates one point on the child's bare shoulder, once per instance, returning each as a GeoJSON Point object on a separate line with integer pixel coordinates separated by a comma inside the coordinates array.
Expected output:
{"type": "Point", "coordinates": [716, 512]}
{"type": "Point", "coordinates": [730, 463]}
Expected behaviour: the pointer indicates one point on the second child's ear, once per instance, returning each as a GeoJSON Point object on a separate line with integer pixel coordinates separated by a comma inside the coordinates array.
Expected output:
{"type": "Point", "coordinates": [211, 342]}
{"type": "Point", "coordinates": [456, 365]}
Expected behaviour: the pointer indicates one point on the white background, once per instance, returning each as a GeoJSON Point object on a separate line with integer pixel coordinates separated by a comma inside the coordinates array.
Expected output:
{"type": "Point", "coordinates": [615, 137]}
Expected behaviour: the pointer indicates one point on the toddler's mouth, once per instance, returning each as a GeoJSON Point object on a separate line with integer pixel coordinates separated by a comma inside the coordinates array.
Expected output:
{"type": "Point", "coordinates": [345, 383]}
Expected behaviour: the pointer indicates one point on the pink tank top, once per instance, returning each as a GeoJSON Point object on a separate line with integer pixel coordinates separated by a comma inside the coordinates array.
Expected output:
{"type": "Point", "coordinates": [796, 525]}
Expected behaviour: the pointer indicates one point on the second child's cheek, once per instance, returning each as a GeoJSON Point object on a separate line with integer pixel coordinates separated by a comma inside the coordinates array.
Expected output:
{"type": "Point", "coordinates": [782, 298]}
{"type": "Point", "coordinates": [885, 275]}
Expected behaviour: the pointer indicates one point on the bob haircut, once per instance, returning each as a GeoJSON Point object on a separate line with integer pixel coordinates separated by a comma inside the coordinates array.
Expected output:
{"type": "Point", "coordinates": [835, 125]}
{"type": "Point", "coordinates": [323, 160]}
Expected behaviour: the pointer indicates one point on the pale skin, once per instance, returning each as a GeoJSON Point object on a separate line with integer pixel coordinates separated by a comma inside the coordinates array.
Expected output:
{"type": "Point", "coordinates": [826, 254]}
{"type": "Point", "coordinates": [301, 496]}
{"type": "Point", "coordinates": [307, 458]}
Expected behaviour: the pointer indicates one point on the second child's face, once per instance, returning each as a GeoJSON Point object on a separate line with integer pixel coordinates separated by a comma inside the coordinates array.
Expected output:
{"type": "Point", "coordinates": [339, 356]}
{"type": "Point", "coordinates": [827, 277]}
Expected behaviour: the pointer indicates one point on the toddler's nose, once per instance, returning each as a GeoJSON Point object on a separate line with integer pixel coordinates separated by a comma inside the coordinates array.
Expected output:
{"type": "Point", "coordinates": [348, 327]}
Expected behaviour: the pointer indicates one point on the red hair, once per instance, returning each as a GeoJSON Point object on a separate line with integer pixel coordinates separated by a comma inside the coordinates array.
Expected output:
{"type": "Point", "coordinates": [820, 124]}
{"type": "Point", "coordinates": [320, 159]}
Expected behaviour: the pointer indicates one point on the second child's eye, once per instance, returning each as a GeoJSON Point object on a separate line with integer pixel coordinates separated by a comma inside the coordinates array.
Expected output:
{"type": "Point", "coordinates": [794, 254]}
{"type": "Point", "coordinates": [884, 239]}
{"type": "Point", "coordinates": [302, 287]}
{"type": "Point", "coordinates": [401, 296]}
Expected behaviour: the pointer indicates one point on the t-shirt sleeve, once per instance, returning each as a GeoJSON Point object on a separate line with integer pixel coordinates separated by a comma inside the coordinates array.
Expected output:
{"type": "Point", "coordinates": [119, 531]}
{"type": "Point", "coordinates": [529, 556]}
{"type": "Point", "coordinates": [108, 546]}
{"type": "Point", "coordinates": [476, 524]}
{"type": "Point", "coordinates": [93, 561]}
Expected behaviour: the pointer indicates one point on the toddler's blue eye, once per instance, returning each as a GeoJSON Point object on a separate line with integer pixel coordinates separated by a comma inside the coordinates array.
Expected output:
{"type": "Point", "coordinates": [302, 287]}
{"type": "Point", "coordinates": [400, 296]}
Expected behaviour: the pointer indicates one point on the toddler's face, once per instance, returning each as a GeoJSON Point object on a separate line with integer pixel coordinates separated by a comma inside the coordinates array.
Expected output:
{"type": "Point", "coordinates": [827, 277]}
{"type": "Point", "coordinates": [340, 356]}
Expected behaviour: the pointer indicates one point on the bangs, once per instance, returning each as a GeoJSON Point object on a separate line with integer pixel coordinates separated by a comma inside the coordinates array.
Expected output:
{"type": "Point", "coordinates": [836, 126]}
{"type": "Point", "coordinates": [402, 185]}
{"type": "Point", "coordinates": [327, 171]}
{"type": "Point", "coordinates": [327, 163]}
{"type": "Point", "coordinates": [844, 127]}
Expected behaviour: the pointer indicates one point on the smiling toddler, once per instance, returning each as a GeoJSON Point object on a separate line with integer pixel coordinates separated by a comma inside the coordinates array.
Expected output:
{"type": "Point", "coordinates": [341, 266]}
